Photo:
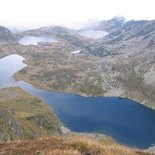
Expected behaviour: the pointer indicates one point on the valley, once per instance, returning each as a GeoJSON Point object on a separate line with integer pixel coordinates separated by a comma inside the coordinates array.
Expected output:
{"type": "Point", "coordinates": [119, 64]}
{"type": "Point", "coordinates": [102, 66]}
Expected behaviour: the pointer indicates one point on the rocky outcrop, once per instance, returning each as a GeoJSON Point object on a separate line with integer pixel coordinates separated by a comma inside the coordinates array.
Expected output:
{"type": "Point", "coordinates": [151, 149]}
{"type": "Point", "coordinates": [129, 52]}
{"type": "Point", "coordinates": [5, 34]}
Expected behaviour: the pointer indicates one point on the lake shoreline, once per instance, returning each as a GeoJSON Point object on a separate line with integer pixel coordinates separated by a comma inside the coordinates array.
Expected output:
{"type": "Point", "coordinates": [82, 94]}
{"type": "Point", "coordinates": [53, 98]}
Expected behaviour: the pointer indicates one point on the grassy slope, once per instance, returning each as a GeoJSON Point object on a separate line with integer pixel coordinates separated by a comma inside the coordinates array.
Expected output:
{"type": "Point", "coordinates": [24, 116]}
{"type": "Point", "coordinates": [72, 146]}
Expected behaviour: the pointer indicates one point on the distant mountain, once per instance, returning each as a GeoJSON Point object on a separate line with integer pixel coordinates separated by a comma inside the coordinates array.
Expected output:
{"type": "Point", "coordinates": [123, 37]}
{"type": "Point", "coordinates": [128, 55]}
{"type": "Point", "coordinates": [23, 116]}
{"type": "Point", "coordinates": [49, 30]}
{"type": "Point", "coordinates": [109, 25]}
{"type": "Point", "coordinates": [60, 33]}
{"type": "Point", "coordinates": [5, 34]}
{"type": "Point", "coordinates": [140, 30]}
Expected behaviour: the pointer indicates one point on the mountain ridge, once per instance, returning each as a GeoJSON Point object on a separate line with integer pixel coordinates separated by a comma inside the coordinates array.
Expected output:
{"type": "Point", "coordinates": [6, 34]}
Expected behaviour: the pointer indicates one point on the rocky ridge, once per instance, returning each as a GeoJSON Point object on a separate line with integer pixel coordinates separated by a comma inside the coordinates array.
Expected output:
{"type": "Point", "coordinates": [5, 34]}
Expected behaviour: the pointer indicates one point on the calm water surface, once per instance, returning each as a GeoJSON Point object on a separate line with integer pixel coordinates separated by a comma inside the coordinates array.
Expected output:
{"type": "Point", "coordinates": [125, 120]}
{"type": "Point", "coordinates": [31, 40]}
{"type": "Point", "coordinates": [95, 34]}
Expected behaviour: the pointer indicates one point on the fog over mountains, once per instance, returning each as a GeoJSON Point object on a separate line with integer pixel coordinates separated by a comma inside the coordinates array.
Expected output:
{"type": "Point", "coordinates": [74, 14]}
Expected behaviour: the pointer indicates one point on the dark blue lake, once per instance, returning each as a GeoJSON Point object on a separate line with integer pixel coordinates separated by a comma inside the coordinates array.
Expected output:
{"type": "Point", "coordinates": [127, 121]}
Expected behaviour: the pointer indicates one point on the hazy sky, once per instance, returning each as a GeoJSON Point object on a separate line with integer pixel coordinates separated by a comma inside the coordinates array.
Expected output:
{"type": "Point", "coordinates": [36, 13]}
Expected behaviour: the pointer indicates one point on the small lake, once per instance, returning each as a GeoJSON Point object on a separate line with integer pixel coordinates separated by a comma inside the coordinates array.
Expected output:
{"type": "Point", "coordinates": [95, 34]}
{"type": "Point", "coordinates": [31, 40]}
{"type": "Point", "coordinates": [127, 121]}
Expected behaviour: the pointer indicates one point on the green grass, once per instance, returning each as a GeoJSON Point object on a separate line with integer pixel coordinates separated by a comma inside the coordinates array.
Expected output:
{"type": "Point", "coordinates": [25, 116]}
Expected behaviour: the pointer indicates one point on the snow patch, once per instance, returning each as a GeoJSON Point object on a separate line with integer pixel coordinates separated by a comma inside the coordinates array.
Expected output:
{"type": "Point", "coordinates": [76, 52]}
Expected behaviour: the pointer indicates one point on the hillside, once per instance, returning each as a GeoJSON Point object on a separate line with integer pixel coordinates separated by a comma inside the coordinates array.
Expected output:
{"type": "Point", "coordinates": [120, 64]}
{"type": "Point", "coordinates": [60, 33]}
{"type": "Point", "coordinates": [72, 146]}
{"type": "Point", "coordinates": [23, 116]}
{"type": "Point", "coordinates": [128, 60]}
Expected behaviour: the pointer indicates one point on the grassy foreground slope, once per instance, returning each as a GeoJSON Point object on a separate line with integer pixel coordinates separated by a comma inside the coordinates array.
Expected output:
{"type": "Point", "coordinates": [72, 146]}
{"type": "Point", "coordinates": [23, 116]}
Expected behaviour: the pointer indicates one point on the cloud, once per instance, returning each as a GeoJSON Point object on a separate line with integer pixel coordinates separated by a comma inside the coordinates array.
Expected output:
{"type": "Point", "coordinates": [35, 13]}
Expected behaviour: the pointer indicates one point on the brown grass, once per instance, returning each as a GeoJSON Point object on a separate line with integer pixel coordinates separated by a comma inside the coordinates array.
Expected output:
{"type": "Point", "coordinates": [72, 146]}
